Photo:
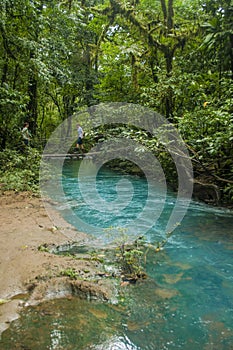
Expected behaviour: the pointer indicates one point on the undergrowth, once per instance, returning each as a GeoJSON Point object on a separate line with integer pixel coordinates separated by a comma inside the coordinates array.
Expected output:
{"type": "Point", "coordinates": [19, 171]}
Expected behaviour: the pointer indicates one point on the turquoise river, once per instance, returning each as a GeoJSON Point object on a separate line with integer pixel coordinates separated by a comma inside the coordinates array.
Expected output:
{"type": "Point", "coordinates": [185, 303]}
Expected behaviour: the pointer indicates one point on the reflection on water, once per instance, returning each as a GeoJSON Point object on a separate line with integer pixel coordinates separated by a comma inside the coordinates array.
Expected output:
{"type": "Point", "coordinates": [186, 303]}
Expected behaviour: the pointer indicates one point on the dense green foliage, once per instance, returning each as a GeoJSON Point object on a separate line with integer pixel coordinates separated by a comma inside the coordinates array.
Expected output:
{"type": "Point", "coordinates": [174, 56]}
{"type": "Point", "coordinates": [20, 171]}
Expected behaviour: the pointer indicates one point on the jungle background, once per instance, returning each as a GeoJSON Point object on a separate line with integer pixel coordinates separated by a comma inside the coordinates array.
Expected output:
{"type": "Point", "coordinates": [172, 56]}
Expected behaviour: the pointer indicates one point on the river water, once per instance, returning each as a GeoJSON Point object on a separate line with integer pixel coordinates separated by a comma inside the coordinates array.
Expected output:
{"type": "Point", "coordinates": [185, 303]}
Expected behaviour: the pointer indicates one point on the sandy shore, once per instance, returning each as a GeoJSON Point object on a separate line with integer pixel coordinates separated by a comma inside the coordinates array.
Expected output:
{"type": "Point", "coordinates": [24, 270]}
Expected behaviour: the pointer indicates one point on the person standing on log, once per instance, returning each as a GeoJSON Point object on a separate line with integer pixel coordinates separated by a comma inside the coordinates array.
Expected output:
{"type": "Point", "coordinates": [79, 144]}
{"type": "Point", "coordinates": [26, 134]}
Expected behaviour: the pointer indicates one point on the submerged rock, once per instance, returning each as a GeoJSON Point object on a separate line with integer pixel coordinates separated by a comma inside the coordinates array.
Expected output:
{"type": "Point", "coordinates": [61, 287]}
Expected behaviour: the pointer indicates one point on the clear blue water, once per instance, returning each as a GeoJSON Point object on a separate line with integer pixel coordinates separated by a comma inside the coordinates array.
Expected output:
{"type": "Point", "coordinates": [186, 302]}
{"type": "Point", "coordinates": [102, 191]}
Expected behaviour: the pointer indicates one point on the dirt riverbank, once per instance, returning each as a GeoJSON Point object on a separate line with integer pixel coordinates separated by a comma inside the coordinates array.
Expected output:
{"type": "Point", "coordinates": [28, 275]}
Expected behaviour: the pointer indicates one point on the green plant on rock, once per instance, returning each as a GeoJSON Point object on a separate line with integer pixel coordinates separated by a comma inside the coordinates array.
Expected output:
{"type": "Point", "coordinates": [130, 260]}
{"type": "Point", "coordinates": [43, 248]}
{"type": "Point", "coordinates": [69, 272]}
{"type": "Point", "coordinates": [129, 255]}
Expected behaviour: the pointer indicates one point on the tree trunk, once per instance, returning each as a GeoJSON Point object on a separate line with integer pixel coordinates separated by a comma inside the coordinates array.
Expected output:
{"type": "Point", "coordinates": [15, 75]}
{"type": "Point", "coordinates": [134, 73]}
{"type": "Point", "coordinates": [4, 71]}
{"type": "Point", "coordinates": [88, 78]}
{"type": "Point", "coordinates": [231, 55]}
{"type": "Point", "coordinates": [32, 104]}
{"type": "Point", "coordinates": [68, 102]}
{"type": "Point", "coordinates": [170, 16]}
{"type": "Point", "coordinates": [164, 9]}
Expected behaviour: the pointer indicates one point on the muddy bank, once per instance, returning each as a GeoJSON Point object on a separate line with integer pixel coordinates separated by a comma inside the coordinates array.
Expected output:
{"type": "Point", "coordinates": [29, 275]}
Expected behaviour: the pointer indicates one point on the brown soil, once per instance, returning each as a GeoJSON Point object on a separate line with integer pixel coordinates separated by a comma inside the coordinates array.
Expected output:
{"type": "Point", "coordinates": [27, 275]}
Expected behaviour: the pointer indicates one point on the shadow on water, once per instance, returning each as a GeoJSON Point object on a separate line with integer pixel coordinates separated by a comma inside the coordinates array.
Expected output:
{"type": "Point", "coordinates": [185, 303]}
